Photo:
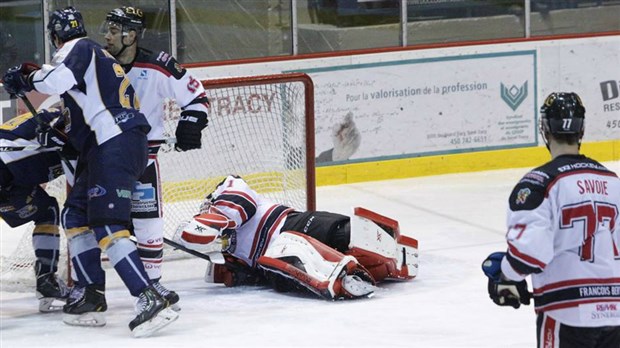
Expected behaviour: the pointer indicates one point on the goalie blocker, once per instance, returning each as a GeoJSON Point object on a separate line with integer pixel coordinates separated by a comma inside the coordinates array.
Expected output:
{"type": "Point", "coordinates": [376, 252]}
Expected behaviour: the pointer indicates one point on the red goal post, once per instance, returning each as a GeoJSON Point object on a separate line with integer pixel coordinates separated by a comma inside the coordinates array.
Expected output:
{"type": "Point", "coordinates": [260, 127]}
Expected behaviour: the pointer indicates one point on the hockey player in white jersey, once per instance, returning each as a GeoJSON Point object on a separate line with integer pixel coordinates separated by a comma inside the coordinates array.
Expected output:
{"type": "Point", "coordinates": [332, 255]}
{"type": "Point", "coordinates": [110, 135]}
{"type": "Point", "coordinates": [155, 78]}
{"type": "Point", "coordinates": [564, 231]}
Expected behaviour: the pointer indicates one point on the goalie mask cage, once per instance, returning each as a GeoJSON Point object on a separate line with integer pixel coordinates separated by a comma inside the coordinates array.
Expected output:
{"type": "Point", "coordinates": [260, 128]}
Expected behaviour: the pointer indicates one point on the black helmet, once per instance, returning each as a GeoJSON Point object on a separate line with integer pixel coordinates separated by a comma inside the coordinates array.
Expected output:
{"type": "Point", "coordinates": [129, 18]}
{"type": "Point", "coordinates": [66, 24]}
{"type": "Point", "coordinates": [563, 114]}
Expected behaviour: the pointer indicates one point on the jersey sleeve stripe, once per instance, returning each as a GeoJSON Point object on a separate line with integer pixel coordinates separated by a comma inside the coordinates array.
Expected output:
{"type": "Point", "coordinates": [245, 207]}
{"type": "Point", "coordinates": [523, 263]}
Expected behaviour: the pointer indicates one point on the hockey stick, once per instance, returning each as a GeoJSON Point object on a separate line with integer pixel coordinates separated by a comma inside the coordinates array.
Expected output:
{"type": "Point", "coordinates": [163, 141]}
{"type": "Point", "coordinates": [19, 148]}
{"type": "Point", "coordinates": [187, 250]}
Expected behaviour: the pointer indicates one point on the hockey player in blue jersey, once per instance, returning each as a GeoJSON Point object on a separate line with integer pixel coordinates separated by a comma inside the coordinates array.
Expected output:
{"type": "Point", "coordinates": [156, 77]}
{"type": "Point", "coordinates": [564, 231]}
{"type": "Point", "coordinates": [22, 200]}
{"type": "Point", "coordinates": [104, 125]}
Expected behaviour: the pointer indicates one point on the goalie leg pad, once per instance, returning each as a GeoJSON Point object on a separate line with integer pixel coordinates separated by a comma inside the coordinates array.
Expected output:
{"type": "Point", "coordinates": [377, 244]}
{"type": "Point", "coordinates": [317, 267]}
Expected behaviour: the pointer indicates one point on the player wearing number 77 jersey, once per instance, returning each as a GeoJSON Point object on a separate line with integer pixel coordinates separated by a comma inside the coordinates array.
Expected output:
{"type": "Point", "coordinates": [564, 231]}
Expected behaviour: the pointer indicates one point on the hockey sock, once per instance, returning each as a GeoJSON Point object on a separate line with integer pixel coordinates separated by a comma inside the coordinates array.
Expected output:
{"type": "Point", "coordinates": [151, 257]}
{"type": "Point", "coordinates": [123, 255]}
{"type": "Point", "coordinates": [85, 257]}
{"type": "Point", "coordinates": [150, 236]}
{"type": "Point", "coordinates": [46, 245]}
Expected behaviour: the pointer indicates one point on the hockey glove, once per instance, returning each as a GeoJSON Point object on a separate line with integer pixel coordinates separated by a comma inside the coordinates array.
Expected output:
{"type": "Point", "coordinates": [189, 130]}
{"type": "Point", "coordinates": [48, 136]}
{"type": "Point", "coordinates": [504, 292]}
{"type": "Point", "coordinates": [17, 80]}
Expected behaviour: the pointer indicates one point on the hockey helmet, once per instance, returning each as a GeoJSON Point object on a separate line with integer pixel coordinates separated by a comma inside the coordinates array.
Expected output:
{"type": "Point", "coordinates": [128, 18]}
{"type": "Point", "coordinates": [66, 24]}
{"type": "Point", "coordinates": [563, 115]}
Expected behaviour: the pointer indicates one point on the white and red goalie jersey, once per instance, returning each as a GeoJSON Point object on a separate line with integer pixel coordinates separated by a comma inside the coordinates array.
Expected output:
{"type": "Point", "coordinates": [256, 221]}
{"type": "Point", "coordinates": [157, 76]}
{"type": "Point", "coordinates": [299, 247]}
{"type": "Point", "coordinates": [564, 230]}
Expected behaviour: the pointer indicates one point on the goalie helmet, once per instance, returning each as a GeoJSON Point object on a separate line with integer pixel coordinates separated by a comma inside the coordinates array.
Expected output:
{"type": "Point", "coordinates": [127, 18]}
{"type": "Point", "coordinates": [563, 115]}
{"type": "Point", "coordinates": [66, 24]}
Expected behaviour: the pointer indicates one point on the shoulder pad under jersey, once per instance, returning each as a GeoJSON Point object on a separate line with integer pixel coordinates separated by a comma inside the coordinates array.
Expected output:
{"type": "Point", "coordinates": [162, 59]}
{"type": "Point", "coordinates": [530, 191]}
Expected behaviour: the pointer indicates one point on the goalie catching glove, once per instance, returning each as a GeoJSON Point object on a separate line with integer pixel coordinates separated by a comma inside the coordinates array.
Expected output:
{"type": "Point", "coordinates": [189, 130]}
{"type": "Point", "coordinates": [203, 234]}
{"type": "Point", "coordinates": [502, 291]}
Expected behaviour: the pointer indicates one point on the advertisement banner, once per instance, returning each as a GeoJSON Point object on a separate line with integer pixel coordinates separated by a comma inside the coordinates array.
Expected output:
{"type": "Point", "coordinates": [427, 106]}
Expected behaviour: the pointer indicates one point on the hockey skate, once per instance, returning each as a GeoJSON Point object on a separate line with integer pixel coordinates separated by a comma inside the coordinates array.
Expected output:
{"type": "Point", "coordinates": [168, 295]}
{"type": "Point", "coordinates": [49, 291]}
{"type": "Point", "coordinates": [154, 314]}
{"type": "Point", "coordinates": [85, 306]}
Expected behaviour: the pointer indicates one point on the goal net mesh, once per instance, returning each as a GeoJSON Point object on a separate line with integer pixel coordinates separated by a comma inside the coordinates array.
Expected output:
{"type": "Point", "coordinates": [260, 128]}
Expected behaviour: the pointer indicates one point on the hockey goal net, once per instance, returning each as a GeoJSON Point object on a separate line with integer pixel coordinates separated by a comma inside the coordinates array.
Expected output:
{"type": "Point", "coordinates": [261, 128]}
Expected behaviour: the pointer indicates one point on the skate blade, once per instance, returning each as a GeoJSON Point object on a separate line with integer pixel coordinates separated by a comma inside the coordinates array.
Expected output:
{"type": "Point", "coordinates": [90, 319]}
{"type": "Point", "coordinates": [357, 288]}
{"type": "Point", "coordinates": [50, 304]}
{"type": "Point", "coordinates": [164, 318]}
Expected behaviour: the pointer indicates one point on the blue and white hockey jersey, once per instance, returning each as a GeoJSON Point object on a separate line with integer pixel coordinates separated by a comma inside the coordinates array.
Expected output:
{"type": "Point", "coordinates": [93, 86]}
{"type": "Point", "coordinates": [26, 167]}
{"type": "Point", "coordinates": [564, 230]}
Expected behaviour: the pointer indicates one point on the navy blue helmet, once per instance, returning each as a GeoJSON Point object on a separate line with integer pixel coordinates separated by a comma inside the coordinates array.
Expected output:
{"type": "Point", "coordinates": [66, 24]}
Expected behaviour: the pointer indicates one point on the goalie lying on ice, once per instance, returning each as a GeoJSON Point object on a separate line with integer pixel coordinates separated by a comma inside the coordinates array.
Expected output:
{"type": "Point", "coordinates": [251, 240]}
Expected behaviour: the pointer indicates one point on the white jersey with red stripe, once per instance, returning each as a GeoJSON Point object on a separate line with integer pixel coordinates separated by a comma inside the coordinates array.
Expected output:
{"type": "Point", "coordinates": [156, 77]}
{"type": "Point", "coordinates": [256, 221]}
{"type": "Point", "coordinates": [564, 230]}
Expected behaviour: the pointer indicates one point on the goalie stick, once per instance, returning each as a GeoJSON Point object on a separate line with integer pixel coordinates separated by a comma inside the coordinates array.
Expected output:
{"type": "Point", "coordinates": [187, 250]}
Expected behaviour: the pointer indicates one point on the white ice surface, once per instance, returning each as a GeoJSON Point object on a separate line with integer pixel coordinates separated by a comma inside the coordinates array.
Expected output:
{"type": "Point", "coordinates": [458, 220]}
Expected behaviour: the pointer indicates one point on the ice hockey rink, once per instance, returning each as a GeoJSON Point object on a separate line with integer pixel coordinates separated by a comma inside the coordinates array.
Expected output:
{"type": "Point", "coordinates": [458, 220]}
